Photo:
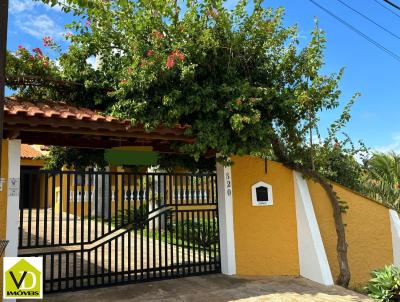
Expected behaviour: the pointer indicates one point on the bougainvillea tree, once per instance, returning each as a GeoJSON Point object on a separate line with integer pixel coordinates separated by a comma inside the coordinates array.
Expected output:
{"type": "Point", "coordinates": [237, 76]}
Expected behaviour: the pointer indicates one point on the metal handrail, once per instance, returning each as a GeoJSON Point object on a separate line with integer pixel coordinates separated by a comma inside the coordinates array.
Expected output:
{"type": "Point", "coordinates": [3, 245]}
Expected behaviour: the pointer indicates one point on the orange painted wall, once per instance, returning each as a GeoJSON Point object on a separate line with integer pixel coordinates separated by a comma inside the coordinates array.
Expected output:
{"type": "Point", "coordinates": [265, 237]}
{"type": "Point", "coordinates": [368, 232]}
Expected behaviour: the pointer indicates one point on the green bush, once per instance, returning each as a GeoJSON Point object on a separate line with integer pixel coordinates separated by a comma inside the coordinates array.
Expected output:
{"type": "Point", "coordinates": [136, 219]}
{"type": "Point", "coordinates": [385, 284]}
{"type": "Point", "coordinates": [197, 232]}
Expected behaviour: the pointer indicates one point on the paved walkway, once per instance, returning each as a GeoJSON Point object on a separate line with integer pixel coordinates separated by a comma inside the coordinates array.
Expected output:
{"type": "Point", "coordinates": [216, 288]}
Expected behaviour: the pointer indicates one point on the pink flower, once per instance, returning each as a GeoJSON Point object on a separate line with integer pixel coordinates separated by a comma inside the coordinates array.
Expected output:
{"type": "Point", "coordinates": [178, 54]}
{"type": "Point", "coordinates": [170, 61]}
{"type": "Point", "coordinates": [21, 47]}
{"type": "Point", "coordinates": [88, 23]}
{"type": "Point", "coordinates": [68, 35]}
{"type": "Point", "coordinates": [159, 35]}
{"type": "Point", "coordinates": [46, 63]}
{"type": "Point", "coordinates": [150, 53]}
{"type": "Point", "coordinates": [48, 41]}
{"type": "Point", "coordinates": [212, 13]}
{"type": "Point", "coordinates": [38, 51]}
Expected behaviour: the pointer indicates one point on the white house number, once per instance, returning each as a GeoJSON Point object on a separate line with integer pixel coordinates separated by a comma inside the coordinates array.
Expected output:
{"type": "Point", "coordinates": [228, 184]}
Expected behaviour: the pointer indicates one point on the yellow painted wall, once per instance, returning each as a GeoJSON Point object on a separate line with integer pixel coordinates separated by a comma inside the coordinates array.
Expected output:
{"type": "Point", "coordinates": [3, 206]}
{"type": "Point", "coordinates": [368, 232]}
{"type": "Point", "coordinates": [265, 237]}
{"type": "Point", "coordinates": [32, 162]}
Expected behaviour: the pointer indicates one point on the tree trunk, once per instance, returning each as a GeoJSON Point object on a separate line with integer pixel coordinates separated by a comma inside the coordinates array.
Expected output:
{"type": "Point", "coordinates": [341, 246]}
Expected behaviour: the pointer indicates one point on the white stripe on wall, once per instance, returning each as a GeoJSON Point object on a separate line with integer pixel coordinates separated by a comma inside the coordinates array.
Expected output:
{"type": "Point", "coordinates": [395, 227]}
{"type": "Point", "coordinates": [14, 166]}
{"type": "Point", "coordinates": [225, 213]}
{"type": "Point", "coordinates": [312, 256]}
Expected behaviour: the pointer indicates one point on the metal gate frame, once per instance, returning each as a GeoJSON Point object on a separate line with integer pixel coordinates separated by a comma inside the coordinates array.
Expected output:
{"type": "Point", "coordinates": [96, 229]}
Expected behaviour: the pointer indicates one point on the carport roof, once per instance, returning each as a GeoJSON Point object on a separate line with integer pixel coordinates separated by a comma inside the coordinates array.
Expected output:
{"type": "Point", "coordinates": [60, 124]}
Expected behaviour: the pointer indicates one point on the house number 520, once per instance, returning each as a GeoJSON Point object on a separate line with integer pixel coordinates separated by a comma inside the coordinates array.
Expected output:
{"type": "Point", "coordinates": [228, 184]}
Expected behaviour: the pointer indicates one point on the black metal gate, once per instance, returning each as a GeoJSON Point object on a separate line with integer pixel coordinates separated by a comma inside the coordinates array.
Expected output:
{"type": "Point", "coordinates": [104, 228]}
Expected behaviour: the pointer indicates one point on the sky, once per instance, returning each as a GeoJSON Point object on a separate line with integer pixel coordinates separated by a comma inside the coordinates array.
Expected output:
{"type": "Point", "coordinates": [368, 70]}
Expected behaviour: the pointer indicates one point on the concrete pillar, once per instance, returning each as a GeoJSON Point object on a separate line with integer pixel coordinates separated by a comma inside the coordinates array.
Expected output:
{"type": "Point", "coordinates": [13, 186]}
{"type": "Point", "coordinates": [225, 212]}
{"type": "Point", "coordinates": [314, 263]}
{"type": "Point", "coordinates": [395, 228]}
{"type": "Point", "coordinates": [103, 190]}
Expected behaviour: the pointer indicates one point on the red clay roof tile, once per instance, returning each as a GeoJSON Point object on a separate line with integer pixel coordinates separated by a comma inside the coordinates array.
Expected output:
{"type": "Point", "coordinates": [29, 152]}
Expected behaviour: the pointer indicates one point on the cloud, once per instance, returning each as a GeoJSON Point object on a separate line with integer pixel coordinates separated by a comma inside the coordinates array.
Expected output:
{"type": "Point", "coordinates": [39, 26]}
{"type": "Point", "coordinates": [21, 6]}
{"type": "Point", "coordinates": [92, 61]}
{"type": "Point", "coordinates": [393, 146]}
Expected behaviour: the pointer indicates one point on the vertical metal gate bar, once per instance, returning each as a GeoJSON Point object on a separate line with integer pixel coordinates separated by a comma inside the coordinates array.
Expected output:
{"type": "Point", "coordinates": [116, 259]}
{"type": "Point", "coordinates": [141, 223]}
{"type": "Point", "coordinates": [51, 271]}
{"type": "Point", "coordinates": [89, 271]}
{"type": "Point", "coordinates": [199, 238]}
{"type": "Point", "coordinates": [68, 205]}
{"type": "Point", "coordinates": [109, 201]}
{"type": "Point", "coordinates": [53, 204]}
{"type": "Point", "coordinates": [81, 271]}
{"type": "Point", "coordinates": [102, 264]}
{"type": "Point", "coordinates": [30, 176]}
{"type": "Point", "coordinates": [75, 207]}
{"type": "Point", "coordinates": [123, 256]}
{"type": "Point", "coordinates": [103, 197]}
{"type": "Point", "coordinates": [109, 261]}
{"type": "Point", "coordinates": [159, 206]}
{"type": "Point", "coordinates": [96, 208]}
{"type": "Point", "coordinates": [176, 200]}
{"type": "Point", "coordinates": [188, 225]}
{"type": "Point", "coordinates": [211, 238]}
{"type": "Point", "coordinates": [154, 207]}
{"type": "Point", "coordinates": [129, 192]}
{"type": "Point", "coordinates": [203, 239]}
{"type": "Point", "coordinates": [165, 223]}
{"type": "Point", "coordinates": [44, 271]}
{"type": "Point", "coordinates": [21, 210]}
{"type": "Point", "coordinates": [37, 185]}
{"type": "Point", "coordinates": [182, 240]}
{"type": "Point", "coordinates": [74, 271]}
{"type": "Point", "coordinates": [202, 190]}
{"type": "Point", "coordinates": [67, 263]}
{"type": "Point", "coordinates": [60, 211]}
{"type": "Point", "coordinates": [147, 196]}
{"type": "Point", "coordinates": [59, 270]}
{"type": "Point", "coordinates": [89, 212]}
{"type": "Point", "coordinates": [135, 196]}
{"type": "Point", "coordinates": [115, 201]}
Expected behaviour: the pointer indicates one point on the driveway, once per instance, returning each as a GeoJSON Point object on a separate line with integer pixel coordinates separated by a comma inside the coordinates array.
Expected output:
{"type": "Point", "coordinates": [215, 288]}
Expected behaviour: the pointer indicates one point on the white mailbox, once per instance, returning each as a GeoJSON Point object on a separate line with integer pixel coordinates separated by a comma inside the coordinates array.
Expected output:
{"type": "Point", "coordinates": [261, 194]}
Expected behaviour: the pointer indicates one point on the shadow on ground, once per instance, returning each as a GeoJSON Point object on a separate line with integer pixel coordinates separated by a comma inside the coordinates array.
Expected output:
{"type": "Point", "coordinates": [215, 288]}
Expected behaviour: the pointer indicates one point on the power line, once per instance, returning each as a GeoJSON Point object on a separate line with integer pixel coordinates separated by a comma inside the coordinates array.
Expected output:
{"type": "Point", "coordinates": [372, 41]}
{"type": "Point", "coordinates": [394, 13]}
{"type": "Point", "coordinates": [392, 4]}
{"type": "Point", "coordinates": [369, 19]}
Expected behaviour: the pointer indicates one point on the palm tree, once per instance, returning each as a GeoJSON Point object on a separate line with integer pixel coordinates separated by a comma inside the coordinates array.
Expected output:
{"type": "Point", "coordinates": [383, 179]}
